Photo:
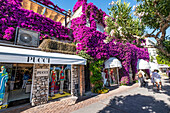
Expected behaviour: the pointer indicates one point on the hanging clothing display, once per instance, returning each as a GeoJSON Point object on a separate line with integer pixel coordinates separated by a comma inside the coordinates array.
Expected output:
{"type": "Point", "coordinates": [106, 75]}
{"type": "Point", "coordinates": [53, 82]}
{"type": "Point", "coordinates": [62, 78]}
{"type": "Point", "coordinates": [56, 86]}
{"type": "Point", "coordinates": [3, 81]}
{"type": "Point", "coordinates": [112, 75]}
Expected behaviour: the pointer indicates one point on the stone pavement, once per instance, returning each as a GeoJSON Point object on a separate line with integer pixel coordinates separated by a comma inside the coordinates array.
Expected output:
{"type": "Point", "coordinates": [63, 107]}
{"type": "Point", "coordinates": [125, 99]}
{"type": "Point", "coordinates": [55, 107]}
{"type": "Point", "coordinates": [136, 100]}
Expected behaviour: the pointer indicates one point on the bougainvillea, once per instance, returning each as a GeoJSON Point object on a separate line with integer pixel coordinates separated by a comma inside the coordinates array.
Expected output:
{"type": "Point", "coordinates": [12, 16]}
{"type": "Point", "coordinates": [78, 4]}
{"type": "Point", "coordinates": [94, 15]}
{"type": "Point", "coordinates": [8, 33]}
{"type": "Point", "coordinates": [91, 41]}
{"type": "Point", "coordinates": [124, 80]}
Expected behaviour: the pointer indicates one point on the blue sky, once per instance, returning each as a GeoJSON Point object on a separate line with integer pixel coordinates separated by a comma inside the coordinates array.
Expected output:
{"type": "Point", "coordinates": [103, 4]}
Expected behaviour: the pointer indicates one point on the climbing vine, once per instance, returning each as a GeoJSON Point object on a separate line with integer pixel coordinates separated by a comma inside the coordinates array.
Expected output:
{"type": "Point", "coordinates": [96, 78]}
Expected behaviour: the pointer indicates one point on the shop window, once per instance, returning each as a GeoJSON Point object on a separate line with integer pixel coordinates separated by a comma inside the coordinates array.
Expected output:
{"type": "Point", "coordinates": [110, 76]}
{"type": "Point", "coordinates": [60, 81]}
{"type": "Point", "coordinates": [87, 22]}
{"type": "Point", "coordinates": [99, 27]}
{"type": "Point", "coordinates": [17, 84]}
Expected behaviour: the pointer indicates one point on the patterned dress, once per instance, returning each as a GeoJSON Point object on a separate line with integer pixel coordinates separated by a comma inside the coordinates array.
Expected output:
{"type": "Point", "coordinates": [62, 77]}
{"type": "Point", "coordinates": [53, 81]}
{"type": "Point", "coordinates": [106, 76]}
{"type": "Point", "coordinates": [3, 80]}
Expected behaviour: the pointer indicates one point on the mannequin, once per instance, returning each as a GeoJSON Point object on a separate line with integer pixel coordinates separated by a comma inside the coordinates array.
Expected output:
{"type": "Point", "coordinates": [53, 80]}
{"type": "Point", "coordinates": [104, 80]}
{"type": "Point", "coordinates": [107, 77]}
{"type": "Point", "coordinates": [112, 76]}
{"type": "Point", "coordinates": [3, 81]}
{"type": "Point", "coordinates": [62, 78]}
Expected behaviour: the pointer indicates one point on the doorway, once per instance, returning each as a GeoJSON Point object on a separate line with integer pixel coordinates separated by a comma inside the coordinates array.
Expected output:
{"type": "Point", "coordinates": [87, 78]}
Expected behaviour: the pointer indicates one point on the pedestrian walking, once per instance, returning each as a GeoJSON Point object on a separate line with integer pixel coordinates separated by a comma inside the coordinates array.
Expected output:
{"type": "Point", "coordinates": [141, 78]}
{"type": "Point", "coordinates": [157, 79]}
{"type": "Point", "coordinates": [152, 79]}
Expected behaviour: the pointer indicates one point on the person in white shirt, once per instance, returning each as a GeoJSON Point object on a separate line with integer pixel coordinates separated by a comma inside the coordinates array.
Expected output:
{"type": "Point", "coordinates": [157, 79]}
{"type": "Point", "coordinates": [141, 81]}
{"type": "Point", "coordinates": [152, 79]}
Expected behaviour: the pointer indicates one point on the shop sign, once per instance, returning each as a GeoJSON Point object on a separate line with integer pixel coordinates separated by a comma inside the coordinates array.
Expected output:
{"type": "Point", "coordinates": [40, 60]}
{"type": "Point", "coordinates": [42, 72]}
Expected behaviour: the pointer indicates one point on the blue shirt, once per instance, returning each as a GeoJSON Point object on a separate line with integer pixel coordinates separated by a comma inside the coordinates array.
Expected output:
{"type": "Point", "coordinates": [26, 77]}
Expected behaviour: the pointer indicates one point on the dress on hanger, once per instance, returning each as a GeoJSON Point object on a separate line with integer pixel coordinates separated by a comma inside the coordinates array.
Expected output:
{"type": "Point", "coordinates": [3, 80]}
{"type": "Point", "coordinates": [53, 81]}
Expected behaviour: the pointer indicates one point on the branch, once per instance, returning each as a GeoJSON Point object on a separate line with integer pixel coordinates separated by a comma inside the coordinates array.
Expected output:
{"type": "Point", "coordinates": [153, 31]}
{"type": "Point", "coordinates": [168, 18]}
{"type": "Point", "coordinates": [161, 49]}
{"type": "Point", "coordinates": [163, 30]}
{"type": "Point", "coordinates": [158, 33]}
{"type": "Point", "coordinates": [151, 35]}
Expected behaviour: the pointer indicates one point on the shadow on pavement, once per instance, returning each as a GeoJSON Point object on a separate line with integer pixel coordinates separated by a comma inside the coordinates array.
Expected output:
{"type": "Point", "coordinates": [165, 88]}
{"type": "Point", "coordinates": [91, 95]}
{"type": "Point", "coordinates": [135, 104]}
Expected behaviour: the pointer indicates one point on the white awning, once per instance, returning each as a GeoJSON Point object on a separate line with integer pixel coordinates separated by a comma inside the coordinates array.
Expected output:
{"type": "Point", "coordinates": [143, 64]}
{"type": "Point", "coordinates": [113, 62]}
{"type": "Point", "coordinates": [163, 66]}
{"type": "Point", "coordinates": [20, 55]}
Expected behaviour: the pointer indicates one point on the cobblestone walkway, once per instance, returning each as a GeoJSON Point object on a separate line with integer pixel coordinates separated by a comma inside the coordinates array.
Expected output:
{"type": "Point", "coordinates": [136, 100]}
{"type": "Point", "coordinates": [63, 107]}
{"type": "Point", "coordinates": [125, 99]}
{"type": "Point", "coordinates": [59, 107]}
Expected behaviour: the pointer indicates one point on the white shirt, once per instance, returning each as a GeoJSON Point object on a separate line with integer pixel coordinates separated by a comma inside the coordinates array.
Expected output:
{"type": "Point", "coordinates": [143, 73]}
{"type": "Point", "coordinates": [156, 75]}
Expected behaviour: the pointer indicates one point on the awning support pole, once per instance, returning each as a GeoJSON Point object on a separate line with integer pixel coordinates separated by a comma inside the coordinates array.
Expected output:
{"type": "Point", "coordinates": [72, 94]}
{"type": "Point", "coordinates": [118, 75]}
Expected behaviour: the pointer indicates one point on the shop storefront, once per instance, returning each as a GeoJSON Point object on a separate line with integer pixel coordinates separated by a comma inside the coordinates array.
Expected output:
{"type": "Point", "coordinates": [144, 66]}
{"type": "Point", "coordinates": [35, 76]}
{"type": "Point", "coordinates": [111, 72]}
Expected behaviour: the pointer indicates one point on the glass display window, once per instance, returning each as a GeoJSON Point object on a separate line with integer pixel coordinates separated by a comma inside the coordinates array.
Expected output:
{"type": "Point", "coordinates": [110, 77]}
{"type": "Point", "coordinates": [17, 84]}
{"type": "Point", "coordinates": [59, 81]}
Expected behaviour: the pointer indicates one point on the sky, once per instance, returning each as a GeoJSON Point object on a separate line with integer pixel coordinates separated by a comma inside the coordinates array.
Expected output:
{"type": "Point", "coordinates": [103, 4]}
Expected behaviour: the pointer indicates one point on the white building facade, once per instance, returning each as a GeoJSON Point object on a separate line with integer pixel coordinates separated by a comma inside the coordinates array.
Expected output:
{"type": "Point", "coordinates": [151, 49]}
